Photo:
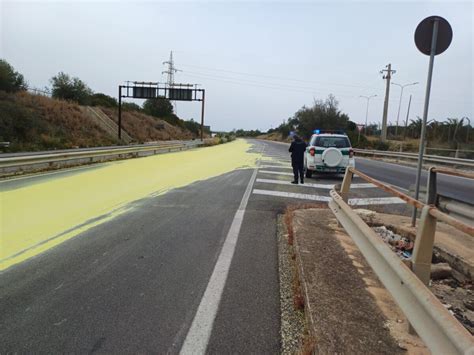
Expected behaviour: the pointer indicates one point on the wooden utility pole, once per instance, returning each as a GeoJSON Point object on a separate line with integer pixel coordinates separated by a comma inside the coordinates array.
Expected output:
{"type": "Point", "coordinates": [387, 75]}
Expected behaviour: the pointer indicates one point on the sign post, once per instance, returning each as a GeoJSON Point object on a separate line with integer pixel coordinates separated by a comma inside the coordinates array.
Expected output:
{"type": "Point", "coordinates": [432, 37]}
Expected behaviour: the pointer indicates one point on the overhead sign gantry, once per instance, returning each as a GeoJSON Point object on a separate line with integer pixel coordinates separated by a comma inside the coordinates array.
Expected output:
{"type": "Point", "coordinates": [155, 90]}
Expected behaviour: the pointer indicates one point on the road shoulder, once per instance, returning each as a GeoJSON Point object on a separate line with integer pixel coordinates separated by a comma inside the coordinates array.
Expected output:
{"type": "Point", "coordinates": [347, 308]}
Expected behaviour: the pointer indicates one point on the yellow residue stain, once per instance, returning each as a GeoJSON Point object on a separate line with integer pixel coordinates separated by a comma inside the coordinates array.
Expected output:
{"type": "Point", "coordinates": [32, 214]}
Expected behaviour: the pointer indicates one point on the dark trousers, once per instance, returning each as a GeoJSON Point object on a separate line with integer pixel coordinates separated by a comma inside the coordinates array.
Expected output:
{"type": "Point", "coordinates": [298, 167]}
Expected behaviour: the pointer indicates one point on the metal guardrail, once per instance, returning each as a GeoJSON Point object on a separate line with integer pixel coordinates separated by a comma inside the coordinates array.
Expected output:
{"type": "Point", "coordinates": [414, 156]}
{"type": "Point", "coordinates": [29, 162]}
{"type": "Point", "coordinates": [441, 332]}
{"type": "Point", "coordinates": [455, 208]}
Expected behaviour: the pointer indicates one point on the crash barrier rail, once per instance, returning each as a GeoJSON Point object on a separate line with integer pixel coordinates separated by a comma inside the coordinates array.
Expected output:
{"type": "Point", "coordinates": [414, 156]}
{"type": "Point", "coordinates": [30, 162]}
{"type": "Point", "coordinates": [440, 331]}
{"type": "Point", "coordinates": [456, 208]}
{"type": "Point", "coordinates": [455, 152]}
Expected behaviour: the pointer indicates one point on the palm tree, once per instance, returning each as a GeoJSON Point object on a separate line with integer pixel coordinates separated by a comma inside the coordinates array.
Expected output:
{"type": "Point", "coordinates": [415, 127]}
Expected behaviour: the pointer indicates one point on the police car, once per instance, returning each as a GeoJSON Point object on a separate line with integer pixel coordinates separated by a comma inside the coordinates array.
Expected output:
{"type": "Point", "coordinates": [328, 152]}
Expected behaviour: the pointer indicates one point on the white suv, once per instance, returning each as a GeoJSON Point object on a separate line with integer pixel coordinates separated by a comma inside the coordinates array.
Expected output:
{"type": "Point", "coordinates": [328, 153]}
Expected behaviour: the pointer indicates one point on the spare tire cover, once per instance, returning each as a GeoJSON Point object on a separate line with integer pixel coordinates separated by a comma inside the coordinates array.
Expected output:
{"type": "Point", "coordinates": [332, 157]}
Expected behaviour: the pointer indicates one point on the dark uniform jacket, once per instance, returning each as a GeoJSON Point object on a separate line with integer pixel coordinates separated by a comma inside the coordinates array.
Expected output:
{"type": "Point", "coordinates": [297, 149]}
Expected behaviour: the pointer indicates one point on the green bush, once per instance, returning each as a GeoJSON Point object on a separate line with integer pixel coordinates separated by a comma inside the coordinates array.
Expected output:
{"type": "Point", "coordinates": [99, 99]}
{"type": "Point", "coordinates": [379, 145]}
{"type": "Point", "coordinates": [66, 87]}
{"type": "Point", "coordinates": [361, 143]}
{"type": "Point", "coordinates": [130, 106]}
{"type": "Point", "coordinates": [160, 107]}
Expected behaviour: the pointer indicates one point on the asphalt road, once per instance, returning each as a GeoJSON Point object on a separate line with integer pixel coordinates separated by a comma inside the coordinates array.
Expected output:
{"type": "Point", "coordinates": [403, 176]}
{"type": "Point", "coordinates": [134, 283]}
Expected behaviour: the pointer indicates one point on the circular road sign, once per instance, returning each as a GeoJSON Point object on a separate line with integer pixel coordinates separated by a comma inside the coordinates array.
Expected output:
{"type": "Point", "coordinates": [424, 34]}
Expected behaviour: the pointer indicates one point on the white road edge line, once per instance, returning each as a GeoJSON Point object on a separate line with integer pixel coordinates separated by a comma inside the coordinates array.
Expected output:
{"type": "Point", "coordinates": [200, 331]}
{"type": "Point", "coordinates": [39, 174]}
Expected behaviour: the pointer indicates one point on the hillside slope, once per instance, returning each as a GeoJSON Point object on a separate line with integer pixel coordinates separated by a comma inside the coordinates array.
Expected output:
{"type": "Point", "coordinates": [145, 128]}
{"type": "Point", "coordinates": [32, 122]}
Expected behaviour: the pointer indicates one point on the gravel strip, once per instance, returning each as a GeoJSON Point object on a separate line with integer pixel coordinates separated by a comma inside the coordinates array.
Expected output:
{"type": "Point", "coordinates": [292, 320]}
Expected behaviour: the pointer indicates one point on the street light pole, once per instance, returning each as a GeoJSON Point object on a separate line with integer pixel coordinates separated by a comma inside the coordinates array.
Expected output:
{"type": "Point", "coordinates": [367, 110]}
{"type": "Point", "coordinates": [400, 102]}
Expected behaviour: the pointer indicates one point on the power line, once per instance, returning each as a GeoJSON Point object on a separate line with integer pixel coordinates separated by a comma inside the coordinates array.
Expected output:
{"type": "Point", "coordinates": [271, 85]}
{"type": "Point", "coordinates": [276, 77]}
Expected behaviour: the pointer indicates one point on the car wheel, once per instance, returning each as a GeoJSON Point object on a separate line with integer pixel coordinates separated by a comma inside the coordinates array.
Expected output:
{"type": "Point", "coordinates": [309, 173]}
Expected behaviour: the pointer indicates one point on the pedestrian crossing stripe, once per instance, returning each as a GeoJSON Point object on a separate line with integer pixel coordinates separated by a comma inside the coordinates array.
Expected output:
{"type": "Point", "coordinates": [316, 186]}
{"type": "Point", "coordinates": [276, 167]}
{"type": "Point", "coordinates": [351, 201]}
{"type": "Point", "coordinates": [275, 172]}
{"type": "Point", "coordinates": [292, 195]}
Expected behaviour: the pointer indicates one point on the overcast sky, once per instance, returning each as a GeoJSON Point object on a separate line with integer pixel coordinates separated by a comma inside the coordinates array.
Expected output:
{"type": "Point", "coordinates": [258, 61]}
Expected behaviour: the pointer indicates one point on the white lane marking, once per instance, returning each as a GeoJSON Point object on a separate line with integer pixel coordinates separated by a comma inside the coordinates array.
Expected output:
{"type": "Point", "coordinates": [375, 201]}
{"type": "Point", "coordinates": [316, 186]}
{"type": "Point", "coordinates": [275, 172]}
{"type": "Point", "coordinates": [198, 335]}
{"type": "Point", "coordinates": [352, 201]}
{"type": "Point", "coordinates": [292, 195]}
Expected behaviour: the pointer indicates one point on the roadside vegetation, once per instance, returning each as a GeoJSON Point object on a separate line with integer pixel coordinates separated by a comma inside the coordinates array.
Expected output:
{"type": "Point", "coordinates": [55, 120]}
{"type": "Point", "coordinates": [443, 137]}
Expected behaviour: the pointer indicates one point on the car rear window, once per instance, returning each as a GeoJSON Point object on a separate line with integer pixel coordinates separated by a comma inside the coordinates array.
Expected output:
{"type": "Point", "coordinates": [328, 142]}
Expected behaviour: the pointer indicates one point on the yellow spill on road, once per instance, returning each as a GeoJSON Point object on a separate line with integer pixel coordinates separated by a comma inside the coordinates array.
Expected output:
{"type": "Point", "coordinates": [39, 216]}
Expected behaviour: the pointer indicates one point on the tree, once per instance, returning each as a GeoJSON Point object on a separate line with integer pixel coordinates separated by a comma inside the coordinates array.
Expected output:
{"type": "Point", "coordinates": [159, 107]}
{"type": "Point", "coordinates": [130, 106]}
{"type": "Point", "coordinates": [415, 127]}
{"type": "Point", "coordinates": [11, 80]}
{"type": "Point", "coordinates": [192, 126]}
{"type": "Point", "coordinates": [324, 114]}
{"type": "Point", "coordinates": [99, 99]}
{"type": "Point", "coordinates": [69, 88]}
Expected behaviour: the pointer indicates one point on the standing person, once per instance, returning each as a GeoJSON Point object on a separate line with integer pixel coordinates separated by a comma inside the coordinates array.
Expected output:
{"type": "Point", "coordinates": [297, 149]}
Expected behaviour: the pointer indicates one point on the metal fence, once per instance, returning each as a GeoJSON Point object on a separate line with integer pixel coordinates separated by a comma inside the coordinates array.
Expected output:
{"type": "Point", "coordinates": [441, 332]}
{"type": "Point", "coordinates": [456, 208]}
{"type": "Point", "coordinates": [53, 160]}
{"type": "Point", "coordinates": [467, 163]}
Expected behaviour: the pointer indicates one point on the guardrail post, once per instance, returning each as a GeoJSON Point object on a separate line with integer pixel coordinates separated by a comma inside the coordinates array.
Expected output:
{"type": "Point", "coordinates": [431, 193]}
{"type": "Point", "coordinates": [423, 251]}
{"type": "Point", "coordinates": [346, 184]}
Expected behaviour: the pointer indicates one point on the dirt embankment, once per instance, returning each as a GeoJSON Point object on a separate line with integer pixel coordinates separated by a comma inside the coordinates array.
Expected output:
{"type": "Point", "coordinates": [144, 128]}
{"type": "Point", "coordinates": [33, 122]}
